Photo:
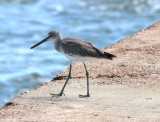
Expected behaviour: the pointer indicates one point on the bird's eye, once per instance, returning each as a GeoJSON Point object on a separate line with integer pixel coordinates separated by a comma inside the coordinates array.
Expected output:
{"type": "Point", "coordinates": [50, 34]}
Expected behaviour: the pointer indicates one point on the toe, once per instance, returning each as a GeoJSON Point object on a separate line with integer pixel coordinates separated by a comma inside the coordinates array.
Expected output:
{"type": "Point", "coordinates": [82, 96]}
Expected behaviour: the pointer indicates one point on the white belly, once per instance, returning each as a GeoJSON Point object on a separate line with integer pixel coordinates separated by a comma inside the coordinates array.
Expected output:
{"type": "Point", "coordinates": [75, 59]}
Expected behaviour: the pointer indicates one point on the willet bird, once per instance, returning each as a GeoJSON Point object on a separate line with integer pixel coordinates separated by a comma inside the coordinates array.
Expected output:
{"type": "Point", "coordinates": [77, 51]}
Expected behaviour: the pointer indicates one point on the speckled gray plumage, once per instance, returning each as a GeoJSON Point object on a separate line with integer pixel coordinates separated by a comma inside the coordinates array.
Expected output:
{"type": "Point", "coordinates": [81, 48]}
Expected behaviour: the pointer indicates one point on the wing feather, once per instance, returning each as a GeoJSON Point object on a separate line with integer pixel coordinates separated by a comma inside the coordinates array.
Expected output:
{"type": "Point", "coordinates": [78, 47]}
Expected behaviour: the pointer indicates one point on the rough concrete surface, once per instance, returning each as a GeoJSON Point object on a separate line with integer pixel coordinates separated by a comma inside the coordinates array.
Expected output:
{"type": "Point", "coordinates": [124, 89]}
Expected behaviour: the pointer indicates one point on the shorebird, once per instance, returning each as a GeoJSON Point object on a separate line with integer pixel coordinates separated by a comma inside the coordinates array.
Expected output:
{"type": "Point", "coordinates": [77, 51]}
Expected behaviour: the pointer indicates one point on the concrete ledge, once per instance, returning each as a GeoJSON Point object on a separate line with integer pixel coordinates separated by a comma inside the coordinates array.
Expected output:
{"type": "Point", "coordinates": [124, 89]}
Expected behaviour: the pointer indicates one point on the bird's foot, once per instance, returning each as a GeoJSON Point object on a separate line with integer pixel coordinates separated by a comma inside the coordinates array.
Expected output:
{"type": "Point", "coordinates": [56, 95]}
{"type": "Point", "coordinates": [82, 96]}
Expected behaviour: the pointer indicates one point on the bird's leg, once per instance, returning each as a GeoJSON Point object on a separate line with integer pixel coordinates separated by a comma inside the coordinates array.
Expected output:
{"type": "Point", "coordinates": [87, 75]}
{"type": "Point", "coordinates": [60, 94]}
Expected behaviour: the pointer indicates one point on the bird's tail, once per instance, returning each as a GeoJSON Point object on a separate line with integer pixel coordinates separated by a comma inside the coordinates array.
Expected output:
{"type": "Point", "coordinates": [108, 55]}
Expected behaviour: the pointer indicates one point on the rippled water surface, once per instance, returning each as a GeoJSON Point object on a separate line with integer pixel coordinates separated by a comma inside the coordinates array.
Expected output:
{"type": "Point", "coordinates": [25, 22]}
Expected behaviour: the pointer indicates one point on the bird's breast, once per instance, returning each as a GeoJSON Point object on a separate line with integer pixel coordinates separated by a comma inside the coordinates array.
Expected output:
{"type": "Point", "coordinates": [58, 47]}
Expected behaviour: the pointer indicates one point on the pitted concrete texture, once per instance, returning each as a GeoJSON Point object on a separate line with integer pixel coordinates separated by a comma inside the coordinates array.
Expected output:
{"type": "Point", "coordinates": [124, 89]}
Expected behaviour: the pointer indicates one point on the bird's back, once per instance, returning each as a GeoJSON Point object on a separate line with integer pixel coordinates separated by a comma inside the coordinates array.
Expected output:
{"type": "Point", "coordinates": [76, 47]}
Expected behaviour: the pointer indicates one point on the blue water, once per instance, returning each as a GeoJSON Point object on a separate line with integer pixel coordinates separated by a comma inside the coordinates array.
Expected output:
{"type": "Point", "coordinates": [25, 22]}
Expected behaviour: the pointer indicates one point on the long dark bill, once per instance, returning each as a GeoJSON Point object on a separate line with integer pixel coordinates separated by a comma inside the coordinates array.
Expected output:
{"type": "Point", "coordinates": [44, 40]}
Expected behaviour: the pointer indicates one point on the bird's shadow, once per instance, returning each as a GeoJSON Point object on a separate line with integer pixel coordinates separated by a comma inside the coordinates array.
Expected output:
{"type": "Point", "coordinates": [65, 77]}
{"type": "Point", "coordinates": [59, 78]}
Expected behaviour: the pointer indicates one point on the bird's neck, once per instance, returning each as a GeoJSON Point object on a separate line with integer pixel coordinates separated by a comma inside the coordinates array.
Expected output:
{"type": "Point", "coordinates": [57, 45]}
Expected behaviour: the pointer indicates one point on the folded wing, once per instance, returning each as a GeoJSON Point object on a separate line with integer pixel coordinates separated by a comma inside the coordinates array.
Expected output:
{"type": "Point", "coordinates": [76, 47]}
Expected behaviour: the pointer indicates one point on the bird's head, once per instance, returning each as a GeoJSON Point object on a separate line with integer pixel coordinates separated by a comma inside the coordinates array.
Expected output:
{"type": "Point", "coordinates": [52, 36]}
